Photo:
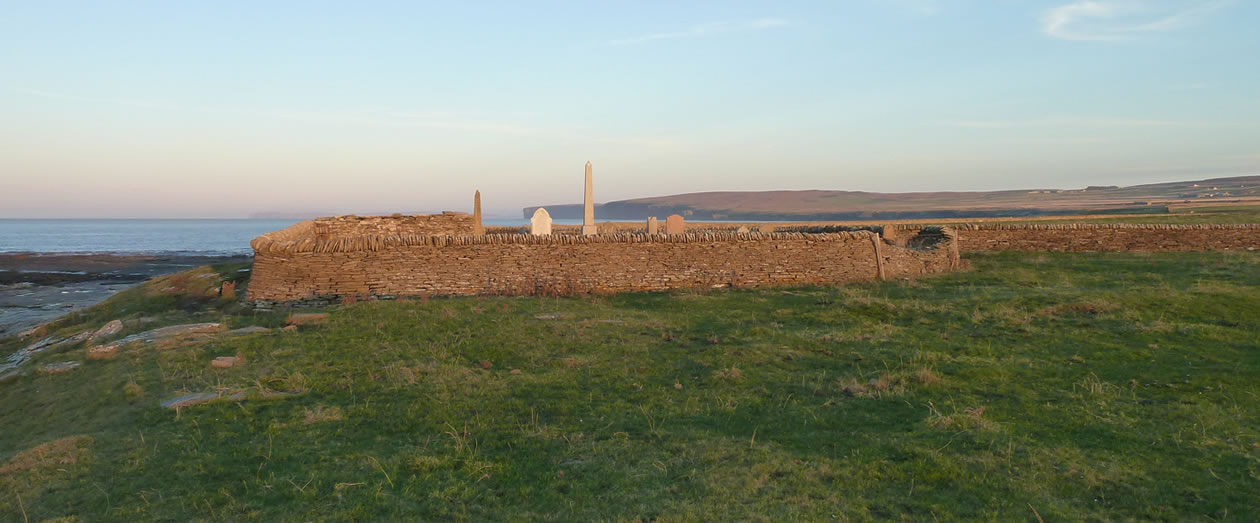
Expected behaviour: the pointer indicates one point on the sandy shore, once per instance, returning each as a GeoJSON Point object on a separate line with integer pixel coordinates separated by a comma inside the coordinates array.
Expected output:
{"type": "Point", "coordinates": [35, 287]}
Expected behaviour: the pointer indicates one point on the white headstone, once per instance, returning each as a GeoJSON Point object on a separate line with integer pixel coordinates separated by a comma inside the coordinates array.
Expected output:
{"type": "Point", "coordinates": [540, 223]}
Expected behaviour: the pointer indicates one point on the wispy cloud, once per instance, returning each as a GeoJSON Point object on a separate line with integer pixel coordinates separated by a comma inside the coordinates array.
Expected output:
{"type": "Point", "coordinates": [1112, 20]}
{"type": "Point", "coordinates": [1071, 121]}
{"type": "Point", "coordinates": [706, 29]}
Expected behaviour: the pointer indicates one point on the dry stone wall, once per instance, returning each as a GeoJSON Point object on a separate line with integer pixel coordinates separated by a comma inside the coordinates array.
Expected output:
{"type": "Point", "coordinates": [447, 223]}
{"type": "Point", "coordinates": [306, 269]}
{"type": "Point", "coordinates": [1100, 237]}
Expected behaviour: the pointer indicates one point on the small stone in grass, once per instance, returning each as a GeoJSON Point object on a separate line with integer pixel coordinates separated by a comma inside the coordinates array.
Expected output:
{"type": "Point", "coordinates": [59, 368]}
{"type": "Point", "coordinates": [224, 362]}
{"type": "Point", "coordinates": [486, 364]}
{"type": "Point", "coordinates": [678, 386]}
{"type": "Point", "coordinates": [516, 371]}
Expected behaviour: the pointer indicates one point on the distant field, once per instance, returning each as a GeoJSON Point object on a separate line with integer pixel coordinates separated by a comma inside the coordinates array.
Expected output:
{"type": "Point", "coordinates": [1055, 386]}
{"type": "Point", "coordinates": [1183, 215]}
{"type": "Point", "coordinates": [831, 205]}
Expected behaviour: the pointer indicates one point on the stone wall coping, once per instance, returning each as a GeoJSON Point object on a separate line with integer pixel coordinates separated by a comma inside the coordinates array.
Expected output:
{"type": "Point", "coordinates": [290, 242]}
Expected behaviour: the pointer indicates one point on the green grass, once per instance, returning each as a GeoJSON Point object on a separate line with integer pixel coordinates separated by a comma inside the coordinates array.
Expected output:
{"type": "Point", "coordinates": [1078, 386]}
{"type": "Point", "coordinates": [1182, 216]}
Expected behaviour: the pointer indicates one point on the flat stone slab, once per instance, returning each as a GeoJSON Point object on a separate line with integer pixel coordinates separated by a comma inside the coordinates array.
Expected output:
{"type": "Point", "coordinates": [161, 333]}
{"type": "Point", "coordinates": [60, 368]}
{"type": "Point", "coordinates": [201, 398]}
{"type": "Point", "coordinates": [554, 316]}
{"type": "Point", "coordinates": [25, 353]}
{"type": "Point", "coordinates": [188, 400]}
{"type": "Point", "coordinates": [226, 362]}
{"type": "Point", "coordinates": [253, 329]}
{"type": "Point", "coordinates": [101, 352]}
{"type": "Point", "coordinates": [109, 329]}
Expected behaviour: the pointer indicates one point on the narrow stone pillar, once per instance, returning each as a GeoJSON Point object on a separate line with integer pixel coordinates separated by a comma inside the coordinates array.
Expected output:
{"type": "Point", "coordinates": [652, 226]}
{"type": "Point", "coordinates": [879, 257]}
{"type": "Point", "coordinates": [478, 230]}
{"type": "Point", "coordinates": [588, 206]}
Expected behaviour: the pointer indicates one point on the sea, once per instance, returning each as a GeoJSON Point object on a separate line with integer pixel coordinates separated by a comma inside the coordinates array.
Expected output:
{"type": "Point", "coordinates": [166, 237]}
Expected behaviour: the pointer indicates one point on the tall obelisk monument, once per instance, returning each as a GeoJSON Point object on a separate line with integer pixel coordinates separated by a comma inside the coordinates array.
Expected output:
{"type": "Point", "coordinates": [588, 206]}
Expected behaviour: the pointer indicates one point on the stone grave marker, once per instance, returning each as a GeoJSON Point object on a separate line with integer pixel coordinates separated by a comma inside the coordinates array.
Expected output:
{"type": "Point", "coordinates": [675, 224]}
{"type": "Point", "coordinates": [540, 223]}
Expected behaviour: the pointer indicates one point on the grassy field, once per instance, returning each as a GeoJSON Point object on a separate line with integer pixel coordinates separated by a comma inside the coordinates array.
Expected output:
{"type": "Point", "coordinates": [1183, 216]}
{"type": "Point", "coordinates": [1055, 386]}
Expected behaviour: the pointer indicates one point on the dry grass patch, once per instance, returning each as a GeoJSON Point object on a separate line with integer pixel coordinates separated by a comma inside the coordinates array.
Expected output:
{"type": "Point", "coordinates": [51, 455]}
{"type": "Point", "coordinates": [321, 415]}
{"type": "Point", "coordinates": [968, 420]}
{"type": "Point", "coordinates": [200, 282]}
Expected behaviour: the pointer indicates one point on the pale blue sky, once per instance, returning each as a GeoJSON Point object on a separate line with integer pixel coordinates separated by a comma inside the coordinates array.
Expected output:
{"type": "Point", "coordinates": [221, 109]}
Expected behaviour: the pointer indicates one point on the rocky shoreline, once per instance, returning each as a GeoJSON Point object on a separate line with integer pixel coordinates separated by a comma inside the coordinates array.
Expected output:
{"type": "Point", "coordinates": [37, 287]}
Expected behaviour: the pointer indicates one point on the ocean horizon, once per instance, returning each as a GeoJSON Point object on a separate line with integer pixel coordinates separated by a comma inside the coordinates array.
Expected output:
{"type": "Point", "coordinates": [170, 236]}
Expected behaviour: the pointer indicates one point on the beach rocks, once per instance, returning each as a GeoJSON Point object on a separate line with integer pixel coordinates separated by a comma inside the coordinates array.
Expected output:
{"type": "Point", "coordinates": [109, 329]}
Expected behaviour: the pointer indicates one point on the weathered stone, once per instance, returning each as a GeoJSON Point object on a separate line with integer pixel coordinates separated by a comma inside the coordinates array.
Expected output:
{"type": "Point", "coordinates": [109, 329]}
{"type": "Point", "coordinates": [60, 368]}
{"type": "Point", "coordinates": [889, 233]}
{"type": "Point", "coordinates": [227, 290]}
{"type": "Point", "coordinates": [540, 223]}
{"type": "Point", "coordinates": [178, 330]}
{"type": "Point", "coordinates": [308, 319]}
{"type": "Point", "coordinates": [101, 352]}
{"type": "Point", "coordinates": [653, 227]}
{"type": "Point", "coordinates": [188, 400]}
{"type": "Point", "coordinates": [477, 228]}
{"type": "Point", "coordinates": [24, 354]}
{"type": "Point", "coordinates": [588, 206]}
{"type": "Point", "coordinates": [742, 229]}
{"type": "Point", "coordinates": [225, 362]}
{"type": "Point", "coordinates": [675, 224]}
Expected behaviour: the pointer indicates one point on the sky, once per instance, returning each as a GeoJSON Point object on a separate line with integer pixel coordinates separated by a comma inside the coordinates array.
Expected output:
{"type": "Point", "coordinates": [230, 108]}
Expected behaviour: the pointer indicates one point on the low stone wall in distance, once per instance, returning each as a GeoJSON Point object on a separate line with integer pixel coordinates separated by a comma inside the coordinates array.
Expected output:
{"type": "Point", "coordinates": [1098, 237]}
{"type": "Point", "coordinates": [306, 269]}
